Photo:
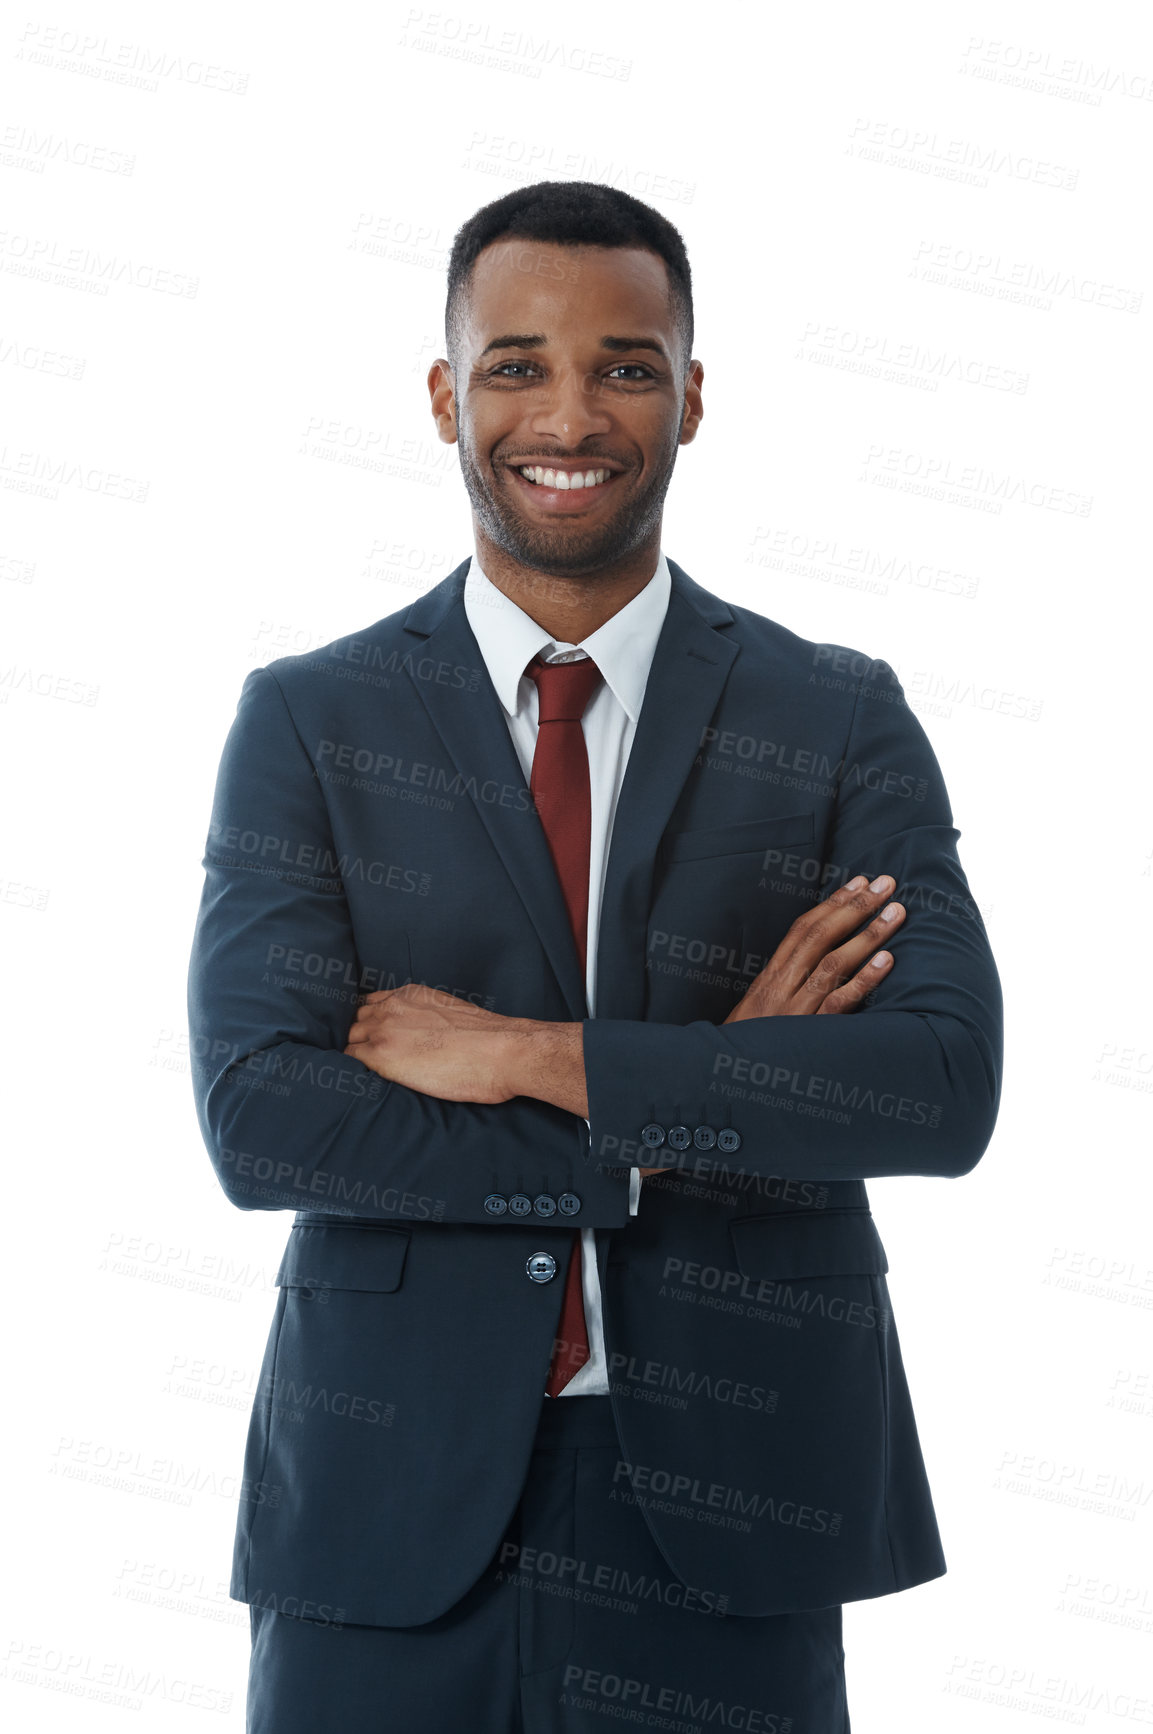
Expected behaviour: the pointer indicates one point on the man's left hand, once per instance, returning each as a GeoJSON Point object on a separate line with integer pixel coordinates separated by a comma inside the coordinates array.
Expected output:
{"type": "Point", "coordinates": [432, 1041]}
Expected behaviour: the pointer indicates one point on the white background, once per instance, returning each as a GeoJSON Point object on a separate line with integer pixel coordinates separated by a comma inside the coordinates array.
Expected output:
{"type": "Point", "coordinates": [893, 215]}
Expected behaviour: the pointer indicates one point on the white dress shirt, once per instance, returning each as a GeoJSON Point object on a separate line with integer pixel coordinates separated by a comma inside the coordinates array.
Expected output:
{"type": "Point", "coordinates": [623, 650]}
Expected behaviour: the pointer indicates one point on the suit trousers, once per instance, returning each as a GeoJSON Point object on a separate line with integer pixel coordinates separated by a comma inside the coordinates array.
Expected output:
{"type": "Point", "coordinates": [577, 1625]}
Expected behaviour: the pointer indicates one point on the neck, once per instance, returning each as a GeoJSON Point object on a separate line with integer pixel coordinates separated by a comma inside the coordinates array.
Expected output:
{"type": "Point", "coordinates": [570, 608]}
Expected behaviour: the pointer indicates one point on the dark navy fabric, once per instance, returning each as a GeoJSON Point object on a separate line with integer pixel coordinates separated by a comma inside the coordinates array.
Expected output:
{"type": "Point", "coordinates": [576, 1624]}
{"type": "Point", "coordinates": [371, 826]}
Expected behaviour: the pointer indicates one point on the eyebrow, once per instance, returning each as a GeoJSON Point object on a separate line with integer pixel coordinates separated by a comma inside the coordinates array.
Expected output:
{"type": "Point", "coordinates": [614, 344]}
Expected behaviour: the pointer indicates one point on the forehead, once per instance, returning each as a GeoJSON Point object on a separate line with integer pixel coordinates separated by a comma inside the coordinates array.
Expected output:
{"type": "Point", "coordinates": [537, 287]}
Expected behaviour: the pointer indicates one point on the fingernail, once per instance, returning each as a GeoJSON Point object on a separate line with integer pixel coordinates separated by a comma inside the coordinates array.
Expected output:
{"type": "Point", "coordinates": [856, 884]}
{"type": "Point", "coordinates": [881, 959]}
{"type": "Point", "coordinates": [884, 883]}
{"type": "Point", "coordinates": [889, 912]}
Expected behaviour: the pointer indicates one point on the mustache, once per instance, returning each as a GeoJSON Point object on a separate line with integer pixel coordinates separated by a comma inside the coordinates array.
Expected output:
{"type": "Point", "coordinates": [589, 460]}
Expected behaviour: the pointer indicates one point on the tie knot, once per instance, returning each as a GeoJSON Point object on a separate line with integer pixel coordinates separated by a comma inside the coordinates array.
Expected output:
{"type": "Point", "coordinates": [563, 688]}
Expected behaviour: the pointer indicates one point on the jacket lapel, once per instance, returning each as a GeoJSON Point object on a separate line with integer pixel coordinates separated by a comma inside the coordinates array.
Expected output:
{"type": "Point", "coordinates": [686, 680]}
{"type": "Point", "coordinates": [688, 673]}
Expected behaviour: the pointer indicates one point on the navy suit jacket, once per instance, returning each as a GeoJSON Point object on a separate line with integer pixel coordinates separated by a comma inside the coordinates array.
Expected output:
{"type": "Point", "coordinates": [371, 826]}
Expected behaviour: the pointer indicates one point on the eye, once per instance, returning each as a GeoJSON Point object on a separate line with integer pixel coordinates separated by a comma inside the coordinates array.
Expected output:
{"type": "Point", "coordinates": [637, 368]}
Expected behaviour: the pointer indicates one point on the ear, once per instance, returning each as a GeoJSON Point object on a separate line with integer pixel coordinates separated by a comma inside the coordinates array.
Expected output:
{"type": "Point", "coordinates": [442, 391]}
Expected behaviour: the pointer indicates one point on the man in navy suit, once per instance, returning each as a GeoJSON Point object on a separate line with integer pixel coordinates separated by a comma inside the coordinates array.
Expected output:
{"type": "Point", "coordinates": [574, 946]}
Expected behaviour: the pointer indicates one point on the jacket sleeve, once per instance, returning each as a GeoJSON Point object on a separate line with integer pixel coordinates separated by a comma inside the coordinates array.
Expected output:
{"type": "Point", "coordinates": [290, 1121]}
{"type": "Point", "coordinates": [909, 1082]}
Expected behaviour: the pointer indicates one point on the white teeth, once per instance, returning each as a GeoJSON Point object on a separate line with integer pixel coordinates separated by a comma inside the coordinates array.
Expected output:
{"type": "Point", "coordinates": [562, 479]}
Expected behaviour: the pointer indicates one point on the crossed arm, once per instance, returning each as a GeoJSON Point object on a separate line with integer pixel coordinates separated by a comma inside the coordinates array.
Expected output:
{"type": "Point", "coordinates": [431, 1041]}
{"type": "Point", "coordinates": [430, 1102]}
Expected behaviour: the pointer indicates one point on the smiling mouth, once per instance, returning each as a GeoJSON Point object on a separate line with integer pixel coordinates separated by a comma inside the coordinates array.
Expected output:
{"type": "Point", "coordinates": [565, 481]}
{"type": "Point", "coordinates": [564, 493]}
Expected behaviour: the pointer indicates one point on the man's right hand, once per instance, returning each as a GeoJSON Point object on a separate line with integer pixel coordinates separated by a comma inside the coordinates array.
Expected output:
{"type": "Point", "coordinates": [823, 964]}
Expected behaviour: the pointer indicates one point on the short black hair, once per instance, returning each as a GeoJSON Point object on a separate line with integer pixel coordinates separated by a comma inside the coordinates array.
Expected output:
{"type": "Point", "coordinates": [575, 214]}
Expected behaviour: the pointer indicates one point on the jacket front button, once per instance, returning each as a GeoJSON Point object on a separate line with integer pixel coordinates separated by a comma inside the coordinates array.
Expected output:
{"type": "Point", "coordinates": [568, 1204]}
{"type": "Point", "coordinates": [496, 1203]}
{"type": "Point", "coordinates": [520, 1204]}
{"type": "Point", "coordinates": [544, 1204]}
{"type": "Point", "coordinates": [728, 1140]}
{"type": "Point", "coordinates": [679, 1137]}
{"type": "Point", "coordinates": [541, 1267]}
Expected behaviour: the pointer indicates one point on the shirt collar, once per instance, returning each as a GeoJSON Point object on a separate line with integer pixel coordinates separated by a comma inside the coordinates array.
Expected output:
{"type": "Point", "coordinates": [623, 648]}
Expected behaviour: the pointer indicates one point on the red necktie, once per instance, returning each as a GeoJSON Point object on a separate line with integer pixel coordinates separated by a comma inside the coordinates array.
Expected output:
{"type": "Point", "coordinates": [560, 789]}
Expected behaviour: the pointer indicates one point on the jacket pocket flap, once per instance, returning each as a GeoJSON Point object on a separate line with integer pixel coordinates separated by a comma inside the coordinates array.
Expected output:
{"type": "Point", "coordinates": [755, 835]}
{"type": "Point", "coordinates": [826, 1243]}
{"type": "Point", "coordinates": [339, 1257]}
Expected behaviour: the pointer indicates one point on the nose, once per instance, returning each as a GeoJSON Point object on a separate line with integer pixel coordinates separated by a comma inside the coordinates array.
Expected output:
{"type": "Point", "coordinates": [570, 408]}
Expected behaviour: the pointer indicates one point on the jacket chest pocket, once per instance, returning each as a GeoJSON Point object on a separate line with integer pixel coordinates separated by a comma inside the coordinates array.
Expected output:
{"type": "Point", "coordinates": [752, 837]}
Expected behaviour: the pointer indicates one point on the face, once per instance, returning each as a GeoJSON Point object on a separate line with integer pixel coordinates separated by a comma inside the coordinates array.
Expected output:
{"type": "Point", "coordinates": [570, 363]}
